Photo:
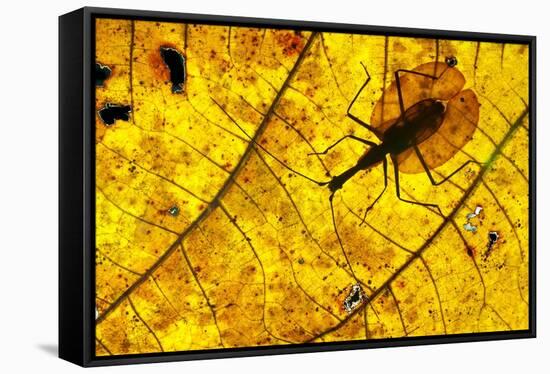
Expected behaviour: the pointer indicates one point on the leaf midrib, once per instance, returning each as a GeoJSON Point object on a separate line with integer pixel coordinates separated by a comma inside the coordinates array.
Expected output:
{"type": "Point", "coordinates": [228, 183]}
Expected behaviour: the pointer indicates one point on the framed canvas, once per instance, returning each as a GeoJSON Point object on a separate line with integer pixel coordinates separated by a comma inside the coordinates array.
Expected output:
{"type": "Point", "coordinates": [236, 186]}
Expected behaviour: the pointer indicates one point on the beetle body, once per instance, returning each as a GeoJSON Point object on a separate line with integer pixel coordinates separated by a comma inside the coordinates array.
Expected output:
{"type": "Point", "coordinates": [418, 123]}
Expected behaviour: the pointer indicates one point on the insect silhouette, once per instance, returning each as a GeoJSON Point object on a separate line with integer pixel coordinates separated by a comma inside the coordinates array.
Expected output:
{"type": "Point", "coordinates": [423, 118]}
{"type": "Point", "coordinates": [418, 132]}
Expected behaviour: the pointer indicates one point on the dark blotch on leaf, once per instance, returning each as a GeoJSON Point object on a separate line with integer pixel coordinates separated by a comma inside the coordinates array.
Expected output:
{"type": "Point", "coordinates": [102, 72]}
{"type": "Point", "coordinates": [176, 64]}
{"type": "Point", "coordinates": [111, 112]}
{"type": "Point", "coordinates": [354, 298]}
{"type": "Point", "coordinates": [493, 238]}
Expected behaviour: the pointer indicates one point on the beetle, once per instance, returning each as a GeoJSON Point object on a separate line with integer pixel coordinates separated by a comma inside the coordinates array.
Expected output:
{"type": "Point", "coordinates": [438, 104]}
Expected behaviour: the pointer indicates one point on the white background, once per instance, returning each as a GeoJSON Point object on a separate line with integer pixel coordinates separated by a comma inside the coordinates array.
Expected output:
{"type": "Point", "coordinates": [28, 184]}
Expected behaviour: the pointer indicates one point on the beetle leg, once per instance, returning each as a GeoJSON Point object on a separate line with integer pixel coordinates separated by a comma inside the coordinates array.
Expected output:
{"type": "Point", "coordinates": [398, 191]}
{"type": "Point", "coordinates": [339, 239]}
{"type": "Point", "coordinates": [429, 173]}
{"type": "Point", "coordinates": [398, 84]}
{"type": "Point", "coordinates": [252, 139]}
{"type": "Point", "coordinates": [385, 163]}
{"type": "Point", "coordinates": [368, 142]}
{"type": "Point", "coordinates": [374, 130]}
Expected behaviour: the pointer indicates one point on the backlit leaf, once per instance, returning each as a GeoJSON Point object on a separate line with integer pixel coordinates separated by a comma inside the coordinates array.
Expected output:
{"type": "Point", "coordinates": [209, 233]}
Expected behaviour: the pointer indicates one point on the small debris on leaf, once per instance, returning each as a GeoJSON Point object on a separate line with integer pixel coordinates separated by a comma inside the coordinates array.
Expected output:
{"type": "Point", "coordinates": [451, 61]}
{"type": "Point", "coordinates": [174, 211]}
{"type": "Point", "coordinates": [468, 226]}
{"type": "Point", "coordinates": [354, 298]}
{"type": "Point", "coordinates": [475, 213]}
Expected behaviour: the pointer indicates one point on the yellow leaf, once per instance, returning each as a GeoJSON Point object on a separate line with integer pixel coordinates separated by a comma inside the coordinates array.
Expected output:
{"type": "Point", "coordinates": [213, 232]}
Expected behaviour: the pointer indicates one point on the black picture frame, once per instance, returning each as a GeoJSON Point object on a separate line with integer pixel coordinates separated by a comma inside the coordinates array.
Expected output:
{"type": "Point", "coordinates": [77, 199]}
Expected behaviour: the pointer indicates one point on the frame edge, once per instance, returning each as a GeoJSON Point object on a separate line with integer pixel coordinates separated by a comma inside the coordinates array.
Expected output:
{"type": "Point", "coordinates": [71, 337]}
{"type": "Point", "coordinates": [81, 350]}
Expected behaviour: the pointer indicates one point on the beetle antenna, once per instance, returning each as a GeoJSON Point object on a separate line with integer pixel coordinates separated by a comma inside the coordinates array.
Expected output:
{"type": "Point", "coordinates": [265, 150]}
